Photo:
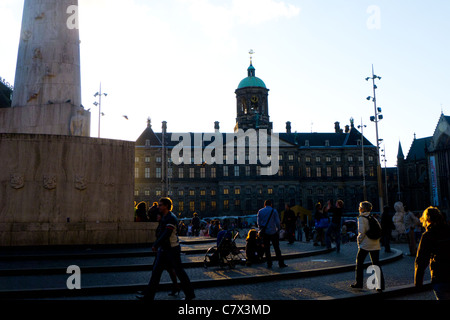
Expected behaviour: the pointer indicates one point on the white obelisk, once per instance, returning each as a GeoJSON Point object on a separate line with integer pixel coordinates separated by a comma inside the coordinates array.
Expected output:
{"type": "Point", "coordinates": [47, 88]}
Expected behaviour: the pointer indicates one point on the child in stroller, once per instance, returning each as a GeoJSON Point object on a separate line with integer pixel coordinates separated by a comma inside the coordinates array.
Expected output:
{"type": "Point", "coordinates": [225, 252]}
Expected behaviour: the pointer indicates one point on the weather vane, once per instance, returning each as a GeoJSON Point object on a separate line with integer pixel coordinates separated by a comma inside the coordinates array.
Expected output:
{"type": "Point", "coordinates": [251, 52]}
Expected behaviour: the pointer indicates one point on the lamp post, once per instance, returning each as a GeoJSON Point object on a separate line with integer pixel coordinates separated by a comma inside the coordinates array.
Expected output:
{"type": "Point", "coordinates": [363, 160]}
{"type": "Point", "coordinates": [99, 104]}
{"type": "Point", "coordinates": [377, 118]}
{"type": "Point", "coordinates": [385, 173]}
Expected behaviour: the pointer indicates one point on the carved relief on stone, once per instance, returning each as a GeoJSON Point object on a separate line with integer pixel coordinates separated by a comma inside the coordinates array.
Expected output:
{"type": "Point", "coordinates": [17, 181]}
{"type": "Point", "coordinates": [80, 182]}
{"type": "Point", "coordinates": [26, 35]}
{"type": "Point", "coordinates": [32, 96]}
{"type": "Point", "coordinates": [40, 16]}
{"type": "Point", "coordinates": [48, 72]}
{"type": "Point", "coordinates": [37, 54]}
{"type": "Point", "coordinates": [49, 181]}
{"type": "Point", "coordinates": [77, 124]}
{"type": "Point", "coordinates": [108, 183]}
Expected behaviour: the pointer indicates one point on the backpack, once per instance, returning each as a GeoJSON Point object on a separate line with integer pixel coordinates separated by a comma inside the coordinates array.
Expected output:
{"type": "Point", "coordinates": [374, 231]}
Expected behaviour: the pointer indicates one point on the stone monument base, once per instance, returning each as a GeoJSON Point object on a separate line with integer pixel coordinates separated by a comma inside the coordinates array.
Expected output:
{"type": "Point", "coordinates": [65, 190]}
{"type": "Point", "coordinates": [54, 119]}
{"type": "Point", "coordinates": [81, 233]}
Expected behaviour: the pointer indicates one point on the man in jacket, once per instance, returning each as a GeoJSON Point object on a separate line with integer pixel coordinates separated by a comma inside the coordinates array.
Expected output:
{"type": "Point", "coordinates": [434, 250]}
{"type": "Point", "coordinates": [269, 224]}
{"type": "Point", "coordinates": [367, 246]}
{"type": "Point", "coordinates": [168, 256]}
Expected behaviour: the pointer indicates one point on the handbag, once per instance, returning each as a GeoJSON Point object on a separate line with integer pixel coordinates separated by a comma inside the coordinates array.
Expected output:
{"type": "Point", "coordinates": [322, 223]}
{"type": "Point", "coordinates": [262, 231]}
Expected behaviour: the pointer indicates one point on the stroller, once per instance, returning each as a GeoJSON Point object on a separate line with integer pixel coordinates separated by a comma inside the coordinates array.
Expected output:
{"type": "Point", "coordinates": [226, 253]}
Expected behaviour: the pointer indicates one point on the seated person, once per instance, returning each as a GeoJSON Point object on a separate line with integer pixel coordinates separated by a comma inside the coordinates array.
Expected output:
{"type": "Point", "coordinates": [254, 248]}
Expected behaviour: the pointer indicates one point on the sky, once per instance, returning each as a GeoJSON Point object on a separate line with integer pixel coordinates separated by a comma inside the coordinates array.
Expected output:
{"type": "Point", "coordinates": [181, 61]}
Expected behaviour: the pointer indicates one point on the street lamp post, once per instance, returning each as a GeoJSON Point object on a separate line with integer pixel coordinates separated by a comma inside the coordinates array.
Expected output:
{"type": "Point", "coordinates": [385, 174]}
{"type": "Point", "coordinates": [363, 160]}
{"type": "Point", "coordinates": [377, 118]}
{"type": "Point", "coordinates": [99, 104]}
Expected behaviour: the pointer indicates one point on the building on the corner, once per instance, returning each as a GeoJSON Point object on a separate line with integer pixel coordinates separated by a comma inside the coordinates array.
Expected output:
{"type": "Point", "coordinates": [313, 167]}
{"type": "Point", "coordinates": [438, 156]}
{"type": "Point", "coordinates": [424, 175]}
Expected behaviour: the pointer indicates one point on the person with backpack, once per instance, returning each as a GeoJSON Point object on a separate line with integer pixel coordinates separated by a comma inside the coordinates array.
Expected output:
{"type": "Point", "coordinates": [369, 235]}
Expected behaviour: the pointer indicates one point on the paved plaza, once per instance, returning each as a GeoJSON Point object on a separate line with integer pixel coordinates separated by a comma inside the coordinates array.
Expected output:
{"type": "Point", "coordinates": [115, 273]}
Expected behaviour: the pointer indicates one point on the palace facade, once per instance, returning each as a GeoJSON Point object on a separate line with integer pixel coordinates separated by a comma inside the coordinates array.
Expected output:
{"type": "Point", "coordinates": [312, 167]}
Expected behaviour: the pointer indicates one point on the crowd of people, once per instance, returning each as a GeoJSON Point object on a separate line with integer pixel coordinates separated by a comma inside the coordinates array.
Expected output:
{"type": "Point", "coordinates": [428, 239]}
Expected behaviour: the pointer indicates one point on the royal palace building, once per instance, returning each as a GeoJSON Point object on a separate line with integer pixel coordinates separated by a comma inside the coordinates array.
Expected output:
{"type": "Point", "coordinates": [213, 175]}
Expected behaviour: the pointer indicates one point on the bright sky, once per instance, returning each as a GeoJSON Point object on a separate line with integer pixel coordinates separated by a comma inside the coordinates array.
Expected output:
{"type": "Point", "coordinates": [180, 61]}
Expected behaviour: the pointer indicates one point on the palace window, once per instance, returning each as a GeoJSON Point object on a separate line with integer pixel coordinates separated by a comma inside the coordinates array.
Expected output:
{"type": "Point", "coordinates": [308, 172]}
{"type": "Point", "coordinates": [350, 171]}
{"type": "Point", "coordinates": [202, 172]}
{"type": "Point", "coordinates": [226, 205]}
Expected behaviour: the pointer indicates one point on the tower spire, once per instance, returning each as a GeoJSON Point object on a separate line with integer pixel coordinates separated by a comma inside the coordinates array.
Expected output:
{"type": "Point", "coordinates": [251, 53]}
{"type": "Point", "coordinates": [251, 68]}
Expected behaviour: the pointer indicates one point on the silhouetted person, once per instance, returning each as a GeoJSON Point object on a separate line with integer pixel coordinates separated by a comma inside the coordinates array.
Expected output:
{"type": "Point", "coordinates": [196, 225]}
{"type": "Point", "coordinates": [168, 256]}
{"type": "Point", "coordinates": [434, 250]}
{"type": "Point", "coordinates": [141, 212]}
{"type": "Point", "coordinates": [319, 227]}
{"type": "Point", "coordinates": [387, 225]}
{"type": "Point", "coordinates": [334, 229]}
{"type": "Point", "coordinates": [153, 212]}
{"type": "Point", "coordinates": [269, 226]}
{"type": "Point", "coordinates": [254, 248]}
{"type": "Point", "coordinates": [411, 222]}
{"type": "Point", "coordinates": [289, 220]}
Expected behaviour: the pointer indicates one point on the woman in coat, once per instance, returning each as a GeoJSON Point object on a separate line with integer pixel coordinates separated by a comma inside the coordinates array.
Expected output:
{"type": "Point", "coordinates": [434, 250]}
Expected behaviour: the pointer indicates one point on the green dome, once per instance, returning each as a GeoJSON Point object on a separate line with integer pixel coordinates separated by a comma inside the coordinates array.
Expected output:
{"type": "Point", "coordinates": [251, 80]}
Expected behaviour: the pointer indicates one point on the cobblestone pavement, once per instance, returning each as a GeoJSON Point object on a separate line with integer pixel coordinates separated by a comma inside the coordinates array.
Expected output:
{"type": "Point", "coordinates": [397, 273]}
